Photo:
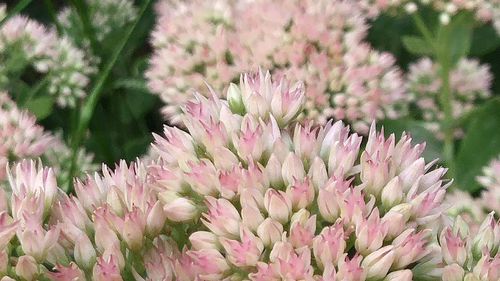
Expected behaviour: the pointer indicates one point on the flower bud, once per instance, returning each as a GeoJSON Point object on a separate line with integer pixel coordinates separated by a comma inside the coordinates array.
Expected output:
{"type": "Point", "coordinates": [204, 240]}
{"type": "Point", "coordinates": [396, 219]}
{"type": "Point", "coordinates": [292, 169]}
{"type": "Point", "coordinates": [155, 220]}
{"type": "Point", "coordinates": [301, 193]}
{"type": "Point", "coordinates": [180, 209]}
{"type": "Point", "coordinates": [278, 205]}
{"type": "Point", "coordinates": [244, 253]}
{"type": "Point", "coordinates": [453, 272]}
{"type": "Point", "coordinates": [106, 270]}
{"type": "Point", "coordinates": [133, 229]}
{"type": "Point", "coordinates": [85, 255]}
{"type": "Point", "coordinates": [392, 193]}
{"type": "Point", "coordinates": [378, 263]}
{"type": "Point", "coordinates": [27, 268]}
{"type": "Point", "coordinates": [270, 231]}
{"type": "Point", "coordinates": [329, 245]}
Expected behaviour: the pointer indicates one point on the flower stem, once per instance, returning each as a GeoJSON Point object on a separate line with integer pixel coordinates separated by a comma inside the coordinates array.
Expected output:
{"type": "Point", "coordinates": [441, 53]}
{"type": "Point", "coordinates": [90, 104]}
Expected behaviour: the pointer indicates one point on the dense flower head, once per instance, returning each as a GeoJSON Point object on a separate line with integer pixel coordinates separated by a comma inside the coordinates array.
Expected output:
{"type": "Point", "coordinates": [470, 255]}
{"type": "Point", "coordinates": [318, 42]}
{"type": "Point", "coordinates": [483, 10]}
{"type": "Point", "coordinates": [262, 197]}
{"type": "Point", "coordinates": [21, 138]}
{"type": "Point", "coordinates": [470, 82]}
{"type": "Point", "coordinates": [490, 180]}
{"type": "Point", "coordinates": [27, 43]}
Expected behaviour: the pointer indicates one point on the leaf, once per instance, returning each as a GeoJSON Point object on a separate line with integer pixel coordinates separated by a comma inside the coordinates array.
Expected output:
{"type": "Point", "coordinates": [484, 40]}
{"type": "Point", "coordinates": [479, 146]}
{"type": "Point", "coordinates": [458, 38]}
{"type": "Point", "coordinates": [419, 134]}
{"type": "Point", "coordinates": [41, 107]}
{"type": "Point", "coordinates": [417, 45]}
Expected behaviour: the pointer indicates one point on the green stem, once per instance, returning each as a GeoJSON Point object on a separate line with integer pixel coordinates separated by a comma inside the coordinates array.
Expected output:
{"type": "Point", "coordinates": [90, 104]}
{"type": "Point", "coordinates": [18, 8]}
{"type": "Point", "coordinates": [441, 53]}
{"type": "Point", "coordinates": [82, 11]}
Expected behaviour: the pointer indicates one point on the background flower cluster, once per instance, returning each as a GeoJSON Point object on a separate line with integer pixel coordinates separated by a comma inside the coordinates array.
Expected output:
{"type": "Point", "coordinates": [250, 140]}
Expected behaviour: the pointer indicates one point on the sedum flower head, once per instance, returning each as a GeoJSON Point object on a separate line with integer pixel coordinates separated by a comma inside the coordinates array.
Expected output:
{"type": "Point", "coordinates": [470, 82]}
{"type": "Point", "coordinates": [25, 42]}
{"type": "Point", "coordinates": [318, 42]}
{"type": "Point", "coordinates": [261, 197]}
{"type": "Point", "coordinates": [470, 255]}
{"type": "Point", "coordinates": [22, 138]}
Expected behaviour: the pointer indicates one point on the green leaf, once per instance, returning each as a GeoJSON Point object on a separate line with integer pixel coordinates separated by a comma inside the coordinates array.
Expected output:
{"type": "Point", "coordinates": [40, 106]}
{"type": "Point", "coordinates": [484, 40]}
{"type": "Point", "coordinates": [456, 37]}
{"type": "Point", "coordinates": [419, 134]}
{"type": "Point", "coordinates": [479, 146]}
{"type": "Point", "coordinates": [417, 45]}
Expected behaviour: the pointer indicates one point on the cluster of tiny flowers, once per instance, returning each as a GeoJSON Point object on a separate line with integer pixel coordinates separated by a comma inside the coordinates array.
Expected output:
{"type": "Point", "coordinates": [318, 42]}
{"type": "Point", "coordinates": [105, 15]}
{"type": "Point", "coordinates": [257, 196]}
{"type": "Point", "coordinates": [490, 180]}
{"type": "Point", "coordinates": [483, 10]}
{"type": "Point", "coordinates": [25, 42]}
{"type": "Point", "coordinates": [21, 137]}
{"type": "Point", "coordinates": [470, 254]}
{"type": "Point", "coordinates": [469, 82]}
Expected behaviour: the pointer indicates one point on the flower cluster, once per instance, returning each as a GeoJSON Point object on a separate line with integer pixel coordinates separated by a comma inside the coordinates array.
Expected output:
{"type": "Point", "coordinates": [483, 10]}
{"type": "Point", "coordinates": [468, 255]}
{"type": "Point", "coordinates": [105, 15]}
{"type": "Point", "coordinates": [469, 82]}
{"type": "Point", "coordinates": [490, 180]}
{"type": "Point", "coordinates": [246, 193]}
{"type": "Point", "coordinates": [264, 198]}
{"type": "Point", "coordinates": [26, 43]}
{"type": "Point", "coordinates": [318, 42]}
{"type": "Point", "coordinates": [21, 137]}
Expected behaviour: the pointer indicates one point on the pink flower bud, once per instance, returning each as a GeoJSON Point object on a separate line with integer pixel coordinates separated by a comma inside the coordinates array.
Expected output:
{"type": "Point", "coordinates": [27, 268]}
{"type": "Point", "coordinates": [155, 220]}
{"type": "Point", "coordinates": [203, 177]}
{"type": "Point", "coordinates": [329, 245]}
{"type": "Point", "coordinates": [317, 173]}
{"type": "Point", "coordinates": [453, 272]}
{"type": "Point", "coordinates": [211, 263]}
{"type": "Point", "coordinates": [106, 270]}
{"type": "Point", "coordinates": [350, 269]}
{"type": "Point", "coordinates": [301, 193]}
{"type": "Point", "coordinates": [251, 217]}
{"type": "Point", "coordinates": [374, 173]}
{"type": "Point", "coordinates": [304, 140]}
{"type": "Point", "coordinates": [278, 205]}
{"type": "Point", "coordinates": [37, 242]}
{"type": "Point", "coordinates": [453, 247]}
{"type": "Point", "coordinates": [292, 169]}
{"type": "Point", "coordinates": [273, 171]}
{"type": "Point", "coordinates": [370, 233]}
{"type": "Point", "coordinates": [396, 219]}
{"type": "Point", "coordinates": [410, 246]}
{"type": "Point", "coordinates": [222, 217]}
{"type": "Point", "coordinates": [204, 240]}
{"type": "Point", "coordinates": [178, 209]}
{"type": "Point", "coordinates": [378, 263]}
{"type": "Point", "coordinates": [133, 229]}
{"type": "Point", "coordinates": [270, 231]}
{"type": "Point", "coordinates": [244, 253]}
{"type": "Point", "coordinates": [302, 229]}
{"type": "Point", "coordinates": [392, 193]}
{"type": "Point", "coordinates": [85, 255]}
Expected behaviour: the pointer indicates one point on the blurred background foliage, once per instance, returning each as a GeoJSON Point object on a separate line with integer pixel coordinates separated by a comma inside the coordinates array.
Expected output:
{"type": "Point", "coordinates": [126, 113]}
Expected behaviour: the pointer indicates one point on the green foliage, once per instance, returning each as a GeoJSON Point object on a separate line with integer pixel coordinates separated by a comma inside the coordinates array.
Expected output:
{"type": "Point", "coordinates": [480, 144]}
